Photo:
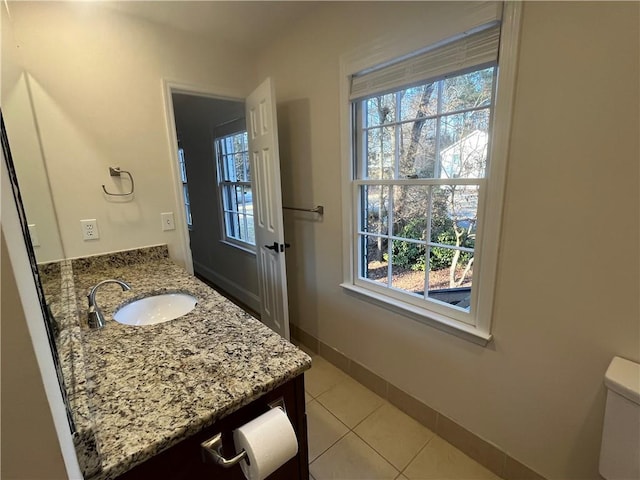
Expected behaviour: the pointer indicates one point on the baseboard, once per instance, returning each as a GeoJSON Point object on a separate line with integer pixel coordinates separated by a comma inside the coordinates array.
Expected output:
{"type": "Point", "coordinates": [232, 288]}
{"type": "Point", "coordinates": [482, 451]}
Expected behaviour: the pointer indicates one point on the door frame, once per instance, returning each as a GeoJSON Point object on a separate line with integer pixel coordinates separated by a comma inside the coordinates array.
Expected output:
{"type": "Point", "coordinates": [169, 87]}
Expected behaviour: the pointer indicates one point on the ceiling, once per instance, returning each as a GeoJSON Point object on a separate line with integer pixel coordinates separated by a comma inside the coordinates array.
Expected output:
{"type": "Point", "coordinates": [250, 24]}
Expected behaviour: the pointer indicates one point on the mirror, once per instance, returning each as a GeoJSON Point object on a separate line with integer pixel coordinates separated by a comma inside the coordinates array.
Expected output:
{"type": "Point", "coordinates": [82, 92]}
{"type": "Point", "coordinates": [27, 150]}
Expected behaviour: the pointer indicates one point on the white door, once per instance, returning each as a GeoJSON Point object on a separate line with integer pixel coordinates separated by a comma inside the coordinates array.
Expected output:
{"type": "Point", "coordinates": [270, 247]}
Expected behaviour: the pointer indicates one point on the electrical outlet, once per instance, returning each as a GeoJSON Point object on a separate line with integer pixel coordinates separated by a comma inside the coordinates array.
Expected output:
{"type": "Point", "coordinates": [168, 222]}
{"type": "Point", "coordinates": [90, 229]}
{"type": "Point", "coordinates": [33, 233]}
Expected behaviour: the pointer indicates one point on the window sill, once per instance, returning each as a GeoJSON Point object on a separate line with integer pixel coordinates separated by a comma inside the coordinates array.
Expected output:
{"type": "Point", "coordinates": [246, 249]}
{"type": "Point", "coordinates": [441, 322]}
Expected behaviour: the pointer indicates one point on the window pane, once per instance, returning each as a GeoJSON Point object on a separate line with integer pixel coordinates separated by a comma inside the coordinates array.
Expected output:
{"type": "Point", "coordinates": [464, 138]}
{"type": "Point", "coordinates": [374, 258]}
{"type": "Point", "coordinates": [247, 169]}
{"type": "Point", "coordinates": [248, 200]}
{"type": "Point", "coordinates": [454, 215]}
{"type": "Point", "coordinates": [185, 195]}
{"type": "Point", "coordinates": [233, 224]}
{"type": "Point", "coordinates": [251, 231]}
{"type": "Point", "coordinates": [380, 110]}
{"type": "Point", "coordinates": [410, 210]}
{"type": "Point", "coordinates": [183, 170]}
{"type": "Point", "coordinates": [450, 276]}
{"type": "Point", "coordinates": [375, 216]}
{"type": "Point", "coordinates": [188, 210]}
{"type": "Point", "coordinates": [239, 142]}
{"type": "Point", "coordinates": [467, 91]}
{"type": "Point", "coordinates": [380, 153]}
{"type": "Point", "coordinates": [230, 201]}
{"type": "Point", "coordinates": [183, 173]}
{"type": "Point", "coordinates": [418, 149]}
{"type": "Point", "coordinates": [238, 165]}
{"type": "Point", "coordinates": [419, 101]}
{"type": "Point", "coordinates": [243, 227]}
{"type": "Point", "coordinates": [239, 197]}
{"type": "Point", "coordinates": [408, 266]}
{"type": "Point", "coordinates": [229, 169]}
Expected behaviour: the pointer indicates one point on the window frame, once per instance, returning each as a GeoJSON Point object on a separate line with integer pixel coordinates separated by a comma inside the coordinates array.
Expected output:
{"type": "Point", "coordinates": [360, 179]}
{"type": "Point", "coordinates": [223, 184]}
{"type": "Point", "coordinates": [478, 329]}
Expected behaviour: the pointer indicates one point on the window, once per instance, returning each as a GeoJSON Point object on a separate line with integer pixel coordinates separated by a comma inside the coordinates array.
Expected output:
{"type": "Point", "coordinates": [185, 190]}
{"type": "Point", "coordinates": [420, 170]}
{"type": "Point", "coordinates": [424, 162]}
{"type": "Point", "coordinates": [234, 185]}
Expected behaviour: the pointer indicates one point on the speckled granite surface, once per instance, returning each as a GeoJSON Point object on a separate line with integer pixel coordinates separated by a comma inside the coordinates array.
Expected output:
{"type": "Point", "coordinates": [149, 387]}
{"type": "Point", "coordinates": [58, 285]}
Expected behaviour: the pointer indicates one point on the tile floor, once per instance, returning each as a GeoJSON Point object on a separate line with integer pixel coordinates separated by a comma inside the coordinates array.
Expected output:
{"type": "Point", "coordinates": [355, 434]}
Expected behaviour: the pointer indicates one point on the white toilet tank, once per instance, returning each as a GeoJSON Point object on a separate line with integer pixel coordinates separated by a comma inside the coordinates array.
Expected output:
{"type": "Point", "coordinates": [620, 451]}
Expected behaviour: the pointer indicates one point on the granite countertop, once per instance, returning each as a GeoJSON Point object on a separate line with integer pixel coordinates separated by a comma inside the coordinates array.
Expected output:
{"type": "Point", "coordinates": [149, 387]}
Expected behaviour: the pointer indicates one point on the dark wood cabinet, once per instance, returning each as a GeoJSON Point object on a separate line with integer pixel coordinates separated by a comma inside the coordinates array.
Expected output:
{"type": "Point", "coordinates": [184, 461]}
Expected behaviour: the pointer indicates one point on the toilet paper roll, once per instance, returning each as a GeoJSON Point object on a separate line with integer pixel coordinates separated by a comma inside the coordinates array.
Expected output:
{"type": "Point", "coordinates": [269, 441]}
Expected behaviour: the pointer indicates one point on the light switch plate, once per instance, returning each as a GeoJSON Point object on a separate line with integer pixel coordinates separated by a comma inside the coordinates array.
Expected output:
{"type": "Point", "coordinates": [168, 222]}
{"type": "Point", "coordinates": [33, 233]}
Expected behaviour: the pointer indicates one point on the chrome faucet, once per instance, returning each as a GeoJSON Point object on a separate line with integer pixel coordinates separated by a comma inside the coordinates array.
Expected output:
{"type": "Point", "coordinates": [96, 317]}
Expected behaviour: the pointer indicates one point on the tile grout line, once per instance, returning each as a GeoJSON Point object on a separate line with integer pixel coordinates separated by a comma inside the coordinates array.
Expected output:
{"type": "Point", "coordinates": [340, 438]}
{"type": "Point", "coordinates": [418, 453]}
{"type": "Point", "coordinates": [374, 411]}
{"type": "Point", "coordinates": [382, 455]}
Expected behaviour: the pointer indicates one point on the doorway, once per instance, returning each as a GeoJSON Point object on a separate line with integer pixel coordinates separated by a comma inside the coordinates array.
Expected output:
{"type": "Point", "coordinates": [217, 193]}
{"type": "Point", "coordinates": [261, 180]}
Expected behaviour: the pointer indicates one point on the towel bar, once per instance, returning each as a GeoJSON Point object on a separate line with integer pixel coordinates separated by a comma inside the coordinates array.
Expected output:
{"type": "Point", "coordinates": [319, 209]}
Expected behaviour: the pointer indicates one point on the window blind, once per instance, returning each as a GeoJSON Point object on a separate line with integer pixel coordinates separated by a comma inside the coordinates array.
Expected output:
{"type": "Point", "coordinates": [468, 51]}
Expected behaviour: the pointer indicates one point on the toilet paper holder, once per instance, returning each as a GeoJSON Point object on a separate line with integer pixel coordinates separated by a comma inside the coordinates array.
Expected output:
{"type": "Point", "coordinates": [211, 449]}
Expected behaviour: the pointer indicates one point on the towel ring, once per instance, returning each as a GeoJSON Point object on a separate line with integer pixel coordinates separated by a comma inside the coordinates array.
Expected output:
{"type": "Point", "coordinates": [116, 172]}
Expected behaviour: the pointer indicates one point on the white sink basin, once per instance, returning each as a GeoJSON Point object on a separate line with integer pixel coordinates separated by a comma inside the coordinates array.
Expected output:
{"type": "Point", "coordinates": [155, 309]}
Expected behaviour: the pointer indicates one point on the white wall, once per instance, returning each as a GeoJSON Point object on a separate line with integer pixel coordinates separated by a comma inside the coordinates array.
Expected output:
{"type": "Point", "coordinates": [567, 293]}
{"type": "Point", "coordinates": [232, 269]}
{"type": "Point", "coordinates": [97, 84]}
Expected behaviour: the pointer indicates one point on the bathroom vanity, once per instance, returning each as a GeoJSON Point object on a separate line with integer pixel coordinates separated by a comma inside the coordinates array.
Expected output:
{"type": "Point", "coordinates": [144, 397]}
{"type": "Point", "coordinates": [186, 462]}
